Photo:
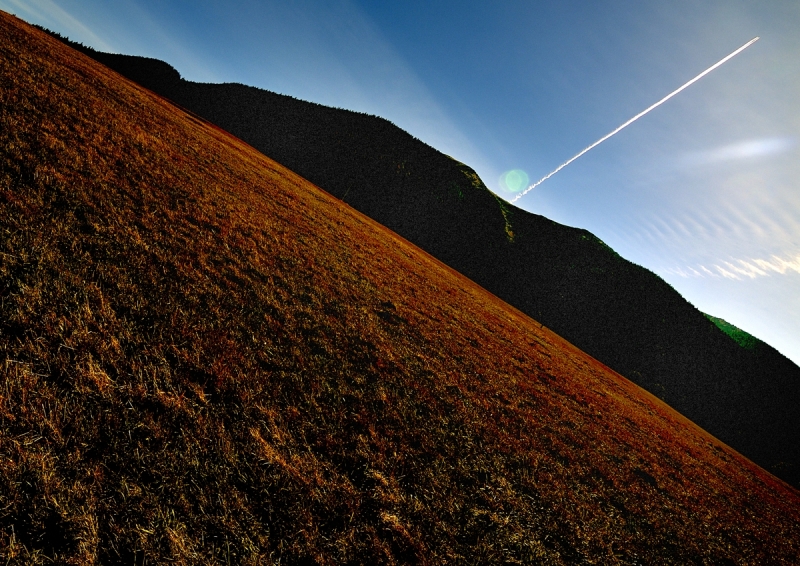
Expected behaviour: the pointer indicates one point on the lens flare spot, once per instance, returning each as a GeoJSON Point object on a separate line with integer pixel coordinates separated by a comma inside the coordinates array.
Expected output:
{"type": "Point", "coordinates": [514, 181]}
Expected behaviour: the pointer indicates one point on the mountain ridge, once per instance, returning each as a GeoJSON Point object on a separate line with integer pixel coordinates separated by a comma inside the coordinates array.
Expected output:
{"type": "Point", "coordinates": [566, 278]}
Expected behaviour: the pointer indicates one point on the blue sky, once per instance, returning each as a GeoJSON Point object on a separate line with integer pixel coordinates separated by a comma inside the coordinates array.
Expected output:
{"type": "Point", "coordinates": [704, 190]}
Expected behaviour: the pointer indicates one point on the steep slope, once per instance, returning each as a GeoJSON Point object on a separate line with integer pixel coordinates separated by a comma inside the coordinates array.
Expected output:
{"type": "Point", "coordinates": [206, 359]}
{"type": "Point", "coordinates": [616, 311]}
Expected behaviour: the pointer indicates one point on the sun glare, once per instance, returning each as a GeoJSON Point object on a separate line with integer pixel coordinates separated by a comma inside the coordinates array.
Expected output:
{"type": "Point", "coordinates": [514, 181]}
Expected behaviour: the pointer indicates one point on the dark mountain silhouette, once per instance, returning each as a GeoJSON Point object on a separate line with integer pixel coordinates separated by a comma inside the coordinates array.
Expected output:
{"type": "Point", "coordinates": [566, 278]}
{"type": "Point", "coordinates": [205, 359]}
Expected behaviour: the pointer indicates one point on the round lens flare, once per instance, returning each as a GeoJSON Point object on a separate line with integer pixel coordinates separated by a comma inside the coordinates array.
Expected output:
{"type": "Point", "coordinates": [514, 181]}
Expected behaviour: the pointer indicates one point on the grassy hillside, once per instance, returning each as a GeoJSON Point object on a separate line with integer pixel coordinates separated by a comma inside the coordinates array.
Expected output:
{"type": "Point", "coordinates": [741, 337]}
{"type": "Point", "coordinates": [205, 359]}
{"type": "Point", "coordinates": [620, 313]}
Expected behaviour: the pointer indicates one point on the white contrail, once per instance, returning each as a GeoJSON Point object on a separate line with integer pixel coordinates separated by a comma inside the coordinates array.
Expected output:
{"type": "Point", "coordinates": [639, 115]}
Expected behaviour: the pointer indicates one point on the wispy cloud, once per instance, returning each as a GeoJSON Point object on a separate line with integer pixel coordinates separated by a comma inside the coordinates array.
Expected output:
{"type": "Point", "coordinates": [747, 149]}
{"type": "Point", "coordinates": [746, 225]}
{"type": "Point", "coordinates": [741, 268]}
{"type": "Point", "coordinates": [780, 265]}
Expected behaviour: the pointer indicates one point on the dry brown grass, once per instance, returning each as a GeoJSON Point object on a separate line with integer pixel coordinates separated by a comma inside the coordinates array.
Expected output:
{"type": "Point", "coordinates": [204, 359]}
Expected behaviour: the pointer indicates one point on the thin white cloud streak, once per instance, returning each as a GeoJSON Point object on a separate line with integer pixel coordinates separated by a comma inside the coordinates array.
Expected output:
{"type": "Point", "coordinates": [779, 265]}
{"type": "Point", "coordinates": [743, 150]}
{"type": "Point", "coordinates": [739, 269]}
{"type": "Point", "coordinates": [751, 224]}
{"type": "Point", "coordinates": [632, 120]}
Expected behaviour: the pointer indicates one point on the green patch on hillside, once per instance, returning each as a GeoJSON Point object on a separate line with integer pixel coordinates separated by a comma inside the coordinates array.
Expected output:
{"type": "Point", "coordinates": [741, 337]}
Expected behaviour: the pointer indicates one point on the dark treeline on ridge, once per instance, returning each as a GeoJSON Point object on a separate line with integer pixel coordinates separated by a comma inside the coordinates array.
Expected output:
{"type": "Point", "coordinates": [565, 278]}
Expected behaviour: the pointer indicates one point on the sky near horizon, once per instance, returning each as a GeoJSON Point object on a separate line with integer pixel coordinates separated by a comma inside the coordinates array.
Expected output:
{"type": "Point", "coordinates": [704, 190]}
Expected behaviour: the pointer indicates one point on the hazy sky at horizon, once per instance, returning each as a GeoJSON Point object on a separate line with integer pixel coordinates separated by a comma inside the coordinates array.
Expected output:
{"type": "Point", "coordinates": [704, 190]}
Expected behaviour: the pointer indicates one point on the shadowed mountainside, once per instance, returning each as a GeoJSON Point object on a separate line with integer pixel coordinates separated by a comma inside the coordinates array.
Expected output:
{"type": "Point", "coordinates": [206, 359]}
{"type": "Point", "coordinates": [618, 312]}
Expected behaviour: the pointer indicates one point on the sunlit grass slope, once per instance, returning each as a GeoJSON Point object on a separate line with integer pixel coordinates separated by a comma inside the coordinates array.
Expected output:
{"type": "Point", "coordinates": [204, 359]}
{"type": "Point", "coordinates": [618, 312]}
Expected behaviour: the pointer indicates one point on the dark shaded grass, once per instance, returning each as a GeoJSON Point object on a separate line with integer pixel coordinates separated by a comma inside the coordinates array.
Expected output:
{"type": "Point", "coordinates": [206, 359]}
